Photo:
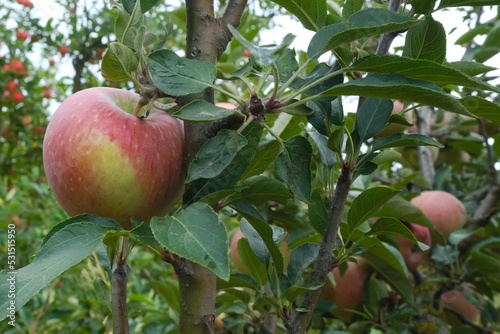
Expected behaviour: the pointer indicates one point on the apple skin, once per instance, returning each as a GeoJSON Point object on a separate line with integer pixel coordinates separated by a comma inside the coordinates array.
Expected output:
{"type": "Point", "coordinates": [240, 266]}
{"type": "Point", "coordinates": [348, 290]}
{"type": "Point", "coordinates": [443, 210]}
{"type": "Point", "coordinates": [414, 257]}
{"type": "Point", "coordinates": [101, 159]}
{"type": "Point", "coordinates": [456, 301]}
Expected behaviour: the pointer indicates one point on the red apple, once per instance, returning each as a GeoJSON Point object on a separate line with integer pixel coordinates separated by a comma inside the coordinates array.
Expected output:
{"type": "Point", "coordinates": [47, 93]}
{"type": "Point", "coordinates": [17, 96]}
{"type": "Point", "coordinates": [39, 129]}
{"type": "Point", "coordinates": [101, 159]}
{"type": "Point", "coordinates": [52, 62]}
{"type": "Point", "coordinates": [443, 210]}
{"type": "Point", "coordinates": [456, 301]}
{"type": "Point", "coordinates": [63, 49]}
{"type": "Point", "coordinates": [22, 35]}
{"type": "Point", "coordinates": [17, 65]}
{"type": "Point", "coordinates": [11, 86]}
{"type": "Point", "coordinates": [26, 120]}
{"type": "Point", "coordinates": [26, 3]}
{"type": "Point", "coordinates": [411, 254]}
{"type": "Point", "coordinates": [348, 290]}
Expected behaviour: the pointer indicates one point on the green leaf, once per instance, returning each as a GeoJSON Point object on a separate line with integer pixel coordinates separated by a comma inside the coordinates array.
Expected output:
{"type": "Point", "coordinates": [297, 110]}
{"type": "Point", "coordinates": [351, 7]}
{"type": "Point", "coordinates": [293, 166]}
{"type": "Point", "coordinates": [178, 76]}
{"type": "Point", "coordinates": [311, 13]}
{"type": "Point", "coordinates": [118, 62]}
{"type": "Point", "coordinates": [127, 24]}
{"type": "Point", "coordinates": [261, 236]}
{"type": "Point", "coordinates": [318, 72]}
{"type": "Point", "coordinates": [423, 6]}
{"type": "Point", "coordinates": [470, 34]}
{"type": "Point", "coordinates": [470, 67]}
{"type": "Point", "coordinates": [396, 86]}
{"type": "Point", "coordinates": [399, 208]}
{"type": "Point", "coordinates": [252, 263]}
{"type": "Point", "coordinates": [427, 40]}
{"type": "Point", "coordinates": [372, 117]}
{"type": "Point", "coordinates": [232, 173]}
{"type": "Point", "coordinates": [318, 210]}
{"type": "Point", "coordinates": [263, 55]}
{"type": "Point", "coordinates": [395, 227]}
{"type": "Point", "coordinates": [202, 111]}
{"type": "Point", "coordinates": [336, 139]}
{"type": "Point", "coordinates": [365, 23]}
{"type": "Point", "coordinates": [404, 139]}
{"type": "Point", "coordinates": [420, 69]}
{"type": "Point", "coordinates": [326, 155]}
{"type": "Point", "coordinates": [385, 156]}
{"type": "Point", "coordinates": [300, 258]}
{"type": "Point", "coordinates": [460, 3]}
{"type": "Point", "coordinates": [366, 203]}
{"type": "Point", "coordinates": [196, 234]}
{"type": "Point", "coordinates": [215, 155]}
{"type": "Point", "coordinates": [480, 107]}
{"type": "Point", "coordinates": [145, 5]}
{"type": "Point", "coordinates": [65, 248]}
{"type": "Point", "coordinates": [287, 65]}
{"type": "Point", "coordinates": [143, 235]}
{"type": "Point", "coordinates": [389, 263]}
{"type": "Point", "coordinates": [262, 189]}
{"type": "Point", "coordinates": [266, 154]}
{"type": "Point", "coordinates": [83, 218]}
{"type": "Point", "coordinates": [294, 292]}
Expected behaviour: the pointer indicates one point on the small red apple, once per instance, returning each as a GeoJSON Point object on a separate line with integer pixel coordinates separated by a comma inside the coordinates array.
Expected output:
{"type": "Point", "coordinates": [22, 35]}
{"type": "Point", "coordinates": [247, 53]}
{"type": "Point", "coordinates": [26, 3]}
{"type": "Point", "coordinates": [63, 49]}
{"type": "Point", "coordinates": [11, 86]}
{"type": "Point", "coordinates": [47, 93]}
{"type": "Point", "coordinates": [26, 120]}
{"type": "Point", "coordinates": [348, 290]}
{"type": "Point", "coordinates": [52, 62]}
{"type": "Point", "coordinates": [411, 254]}
{"type": "Point", "coordinates": [101, 159]}
{"type": "Point", "coordinates": [443, 210]}
{"type": "Point", "coordinates": [17, 96]}
{"type": "Point", "coordinates": [39, 129]}
{"type": "Point", "coordinates": [6, 132]}
{"type": "Point", "coordinates": [456, 301]}
{"type": "Point", "coordinates": [17, 65]}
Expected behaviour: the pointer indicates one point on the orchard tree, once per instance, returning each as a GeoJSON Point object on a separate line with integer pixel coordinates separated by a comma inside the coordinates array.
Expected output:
{"type": "Point", "coordinates": [344, 220]}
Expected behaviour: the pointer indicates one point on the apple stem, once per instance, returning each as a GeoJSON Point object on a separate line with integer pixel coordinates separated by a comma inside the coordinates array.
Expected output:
{"type": "Point", "coordinates": [141, 103]}
{"type": "Point", "coordinates": [119, 290]}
